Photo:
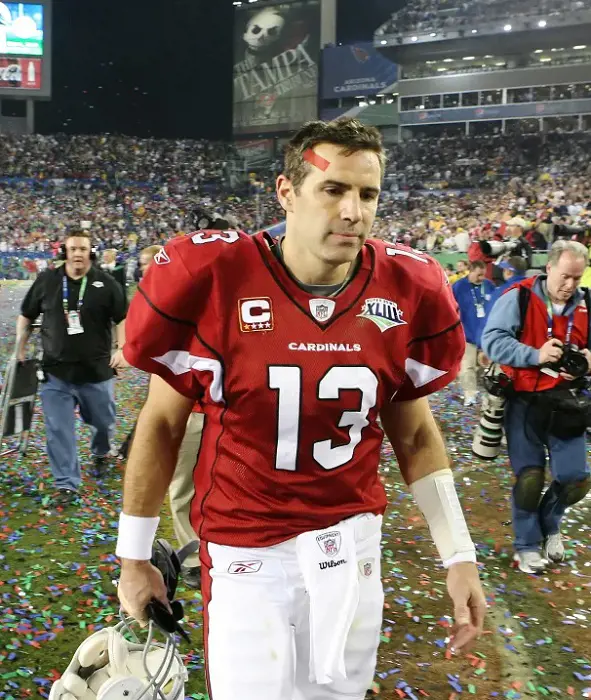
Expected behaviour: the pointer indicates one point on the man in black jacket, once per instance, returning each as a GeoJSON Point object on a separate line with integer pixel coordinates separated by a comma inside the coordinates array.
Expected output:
{"type": "Point", "coordinates": [79, 304]}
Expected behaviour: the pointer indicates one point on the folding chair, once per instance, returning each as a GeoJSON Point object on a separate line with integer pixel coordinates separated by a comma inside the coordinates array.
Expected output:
{"type": "Point", "coordinates": [17, 400]}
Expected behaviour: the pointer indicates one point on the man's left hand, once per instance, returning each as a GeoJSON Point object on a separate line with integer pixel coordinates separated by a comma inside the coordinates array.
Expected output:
{"type": "Point", "coordinates": [465, 590]}
{"type": "Point", "coordinates": [118, 361]}
{"type": "Point", "coordinates": [482, 360]}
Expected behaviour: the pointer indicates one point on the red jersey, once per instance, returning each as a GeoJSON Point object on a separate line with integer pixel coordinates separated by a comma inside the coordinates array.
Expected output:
{"type": "Point", "coordinates": [291, 384]}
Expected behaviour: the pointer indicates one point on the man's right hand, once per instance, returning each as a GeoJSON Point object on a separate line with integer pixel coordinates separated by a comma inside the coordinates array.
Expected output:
{"type": "Point", "coordinates": [139, 584]}
{"type": "Point", "coordinates": [551, 351]}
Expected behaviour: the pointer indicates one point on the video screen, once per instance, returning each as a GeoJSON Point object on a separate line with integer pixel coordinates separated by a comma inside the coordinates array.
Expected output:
{"type": "Point", "coordinates": [21, 29]}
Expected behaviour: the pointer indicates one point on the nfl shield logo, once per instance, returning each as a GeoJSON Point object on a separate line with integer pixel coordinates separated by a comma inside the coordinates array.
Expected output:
{"type": "Point", "coordinates": [322, 312]}
{"type": "Point", "coordinates": [322, 309]}
{"type": "Point", "coordinates": [366, 567]}
{"type": "Point", "coordinates": [329, 543]}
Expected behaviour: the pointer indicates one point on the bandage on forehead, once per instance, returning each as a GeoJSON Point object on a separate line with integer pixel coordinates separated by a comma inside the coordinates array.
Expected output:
{"type": "Point", "coordinates": [314, 159]}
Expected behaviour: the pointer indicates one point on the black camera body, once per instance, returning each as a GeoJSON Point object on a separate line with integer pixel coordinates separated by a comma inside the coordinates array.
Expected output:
{"type": "Point", "coordinates": [573, 362]}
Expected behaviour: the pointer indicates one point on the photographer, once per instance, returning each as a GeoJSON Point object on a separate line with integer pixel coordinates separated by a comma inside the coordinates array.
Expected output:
{"type": "Point", "coordinates": [516, 243]}
{"type": "Point", "coordinates": [534, 331]}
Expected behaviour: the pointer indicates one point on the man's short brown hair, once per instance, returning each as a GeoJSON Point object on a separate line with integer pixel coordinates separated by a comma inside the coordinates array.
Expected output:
{"type": "Point", "coordinates": [78, 233]}
{"type": "Point", "coordinates": [477, 265]}
{"type": "Point", "coordinates": [349, 133]}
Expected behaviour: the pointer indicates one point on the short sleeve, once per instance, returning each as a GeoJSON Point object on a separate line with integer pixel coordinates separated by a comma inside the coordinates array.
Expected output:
{"type": "Point", "coordinates": [437, 343]}
{"type": "Point", "coordinates": [32, 303]}
{"type": "Point", "coordinates": [161, 327]}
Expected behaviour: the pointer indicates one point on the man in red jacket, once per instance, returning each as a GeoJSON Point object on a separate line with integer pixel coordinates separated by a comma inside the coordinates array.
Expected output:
{"type": "Point", "coordinates": [542, 416]}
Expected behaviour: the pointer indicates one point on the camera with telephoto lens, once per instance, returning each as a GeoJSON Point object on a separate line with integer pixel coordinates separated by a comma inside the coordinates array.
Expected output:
{"type": "Point", "coordinates": [488, 435]}
{"type": "Point", "coordinates": [494, 249]}
{"type": "Point", "coordinates": [572, 362]}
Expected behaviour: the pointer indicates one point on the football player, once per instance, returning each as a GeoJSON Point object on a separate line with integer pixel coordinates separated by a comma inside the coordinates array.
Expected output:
{"type": "Point", "coordinates": [296, 348]}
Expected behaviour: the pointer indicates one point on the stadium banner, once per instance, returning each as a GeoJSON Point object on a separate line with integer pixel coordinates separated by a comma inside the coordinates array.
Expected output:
{"type": "Point", "coordinates": [276, 55]}
{"type": "Point", "coordinates": [20, 73]}
{"type": "Point", "coordinates": [512, 111]}
{"type": "Point", "coordinates": [356, 70]}
{"type": "Point", "coordinates": [21, 29]}
{"type": "Point", "coordinates": [256, 150]}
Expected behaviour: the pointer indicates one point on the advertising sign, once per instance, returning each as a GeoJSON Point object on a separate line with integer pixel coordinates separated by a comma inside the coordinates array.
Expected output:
{"type": "Point", "coordinates": [355, 71]}
{"type": "Point", "coordinates": [276, 53]}
{"type": "Point", "coordinates": [20, 73]}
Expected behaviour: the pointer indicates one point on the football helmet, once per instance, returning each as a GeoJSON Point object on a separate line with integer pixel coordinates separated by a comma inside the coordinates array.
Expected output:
{"type": "Point", "coordinates": [113, 664]}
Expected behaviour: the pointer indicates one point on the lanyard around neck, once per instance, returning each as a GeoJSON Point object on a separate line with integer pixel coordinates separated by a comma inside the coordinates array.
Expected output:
{"type": "Point", "coordinates": [65, 292]}
{"type": "Point", "coordinates": [570, 324]}
{"type": "Point", "coordinates": [476, 302]}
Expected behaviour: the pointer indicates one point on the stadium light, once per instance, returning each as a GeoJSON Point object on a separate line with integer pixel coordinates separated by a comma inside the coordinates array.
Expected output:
{"type": "Point", "coordinates": [579, 47]}
{"type": "Point", "coordinates": [507, 27]}
{"type": "Point", "coordinates": [414, 38]}
{"type": "Point", "coordinates": [447, 60]}
{"type": "Point", "coordinates": [383, 42]}
{"type": "Point", "coordinates": [475, 31]}
{"type": "Point", "coordinates": [468, 58]}
{"type": "Point", "coordinates": [542, 23]}
{"type": "Point", "coordinates": [539, 51]}
{"type": "Point", "coordinates": [441, 70]}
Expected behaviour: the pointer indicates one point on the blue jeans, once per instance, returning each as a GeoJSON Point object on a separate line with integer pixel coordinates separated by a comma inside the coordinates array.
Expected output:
{"type": "Point", "coordinates": [97, 409]}
{"type": "Point", "coordinates": [528, 444]}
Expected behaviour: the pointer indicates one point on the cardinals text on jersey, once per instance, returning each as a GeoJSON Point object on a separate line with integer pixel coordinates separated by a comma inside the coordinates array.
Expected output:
{"type": "Point", "coordinates": [292, 392]}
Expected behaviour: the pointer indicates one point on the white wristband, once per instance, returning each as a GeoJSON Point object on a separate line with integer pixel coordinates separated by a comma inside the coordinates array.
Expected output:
{"type": "Point", "coordinates": [136, 537]}
{"type": "Point", "coordinates": [436, 496]}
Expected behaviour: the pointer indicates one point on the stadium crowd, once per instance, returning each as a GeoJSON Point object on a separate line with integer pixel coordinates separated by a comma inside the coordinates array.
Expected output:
{"type": "Point", "coordinates": [439, 193]}
{"type": "Point", "coordinates": [438, 15]}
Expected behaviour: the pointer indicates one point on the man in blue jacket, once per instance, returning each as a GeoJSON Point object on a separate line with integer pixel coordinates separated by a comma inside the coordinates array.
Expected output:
{"type": "Point", "coordinates": [514, 270]}
{"type": "Point", "coordinates": [473, 294]}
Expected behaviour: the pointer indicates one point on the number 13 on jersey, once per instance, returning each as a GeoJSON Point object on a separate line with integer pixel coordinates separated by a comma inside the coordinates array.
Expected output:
{"type": "Point", "coordinates": [287, 381]}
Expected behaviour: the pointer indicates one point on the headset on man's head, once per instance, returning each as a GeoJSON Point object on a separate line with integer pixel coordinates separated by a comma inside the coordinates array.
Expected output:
{"type": "Point", "coordinates": [63, 254]}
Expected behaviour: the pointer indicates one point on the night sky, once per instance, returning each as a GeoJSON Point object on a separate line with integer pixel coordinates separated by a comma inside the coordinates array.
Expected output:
{"type": "Point", "coordinates": [157, 68]}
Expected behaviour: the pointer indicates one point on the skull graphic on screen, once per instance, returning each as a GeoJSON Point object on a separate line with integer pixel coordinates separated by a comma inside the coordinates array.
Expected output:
{"type": "Point", "coordinates": [263, 29]}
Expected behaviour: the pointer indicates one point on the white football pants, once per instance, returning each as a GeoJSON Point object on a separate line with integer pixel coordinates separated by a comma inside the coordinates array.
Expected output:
{"type": "Point", "coordinates": [257, 621]}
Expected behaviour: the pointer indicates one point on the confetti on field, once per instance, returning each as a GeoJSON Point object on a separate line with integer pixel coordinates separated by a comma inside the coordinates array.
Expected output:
{"type": "Point", "coordinates": [57, 571]}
